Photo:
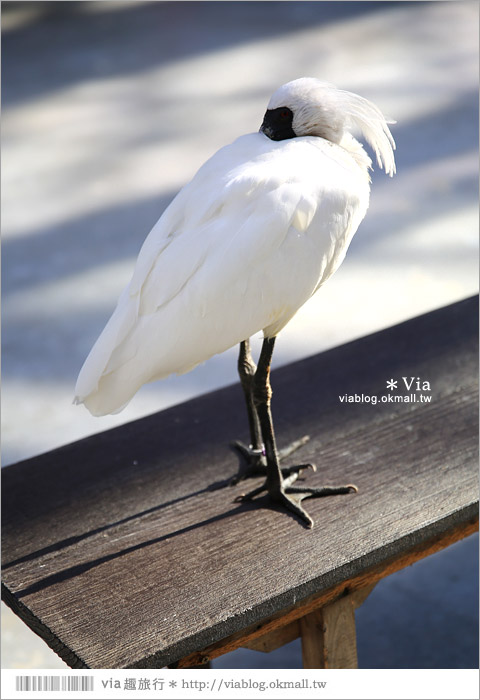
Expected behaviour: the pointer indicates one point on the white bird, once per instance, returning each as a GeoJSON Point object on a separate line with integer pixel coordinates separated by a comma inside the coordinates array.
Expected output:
{"type": "Point", "coordinates": [260, 228]}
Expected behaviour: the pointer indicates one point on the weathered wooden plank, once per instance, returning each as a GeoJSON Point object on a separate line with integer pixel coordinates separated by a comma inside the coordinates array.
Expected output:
{"type": "Point", "coordinates": [314, 650]}
{"type": "Point", "coordinates": [361, 596]}
{"type": "Point", "coordinates": [287, 633]}
{"type": "Point", "coordinates": [352, 586]}
{"type": "Point", "coordinates": [119, 552]}
{"type": "Point", "coordinates": [274, 639]}
{"type": "Point", "coordinates": [329, 637]}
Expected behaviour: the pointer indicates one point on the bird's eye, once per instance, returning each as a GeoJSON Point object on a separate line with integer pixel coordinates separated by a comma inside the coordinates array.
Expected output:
{"type": "Point", "coordinates": [284, 113]}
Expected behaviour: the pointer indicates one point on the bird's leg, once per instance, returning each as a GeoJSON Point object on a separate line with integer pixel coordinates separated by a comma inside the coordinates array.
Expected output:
{"type": "Point", "coordinates": [252, 456]}
{"type": "Point", "coordinates": [279, 488]}
{"type": "Point", "coordinates": [246, 370]}
{"type": "Point", "coordinates": [253, 460]}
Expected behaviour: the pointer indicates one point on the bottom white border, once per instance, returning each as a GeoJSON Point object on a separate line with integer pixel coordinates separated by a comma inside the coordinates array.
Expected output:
{"type": "Point", "coordinates": [439, 684]}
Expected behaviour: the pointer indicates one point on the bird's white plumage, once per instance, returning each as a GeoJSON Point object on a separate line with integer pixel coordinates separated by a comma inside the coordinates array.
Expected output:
{"type": "Point", "coordinates": [323, 110]}
{"type": "Point", "coordinates": [240, 249]}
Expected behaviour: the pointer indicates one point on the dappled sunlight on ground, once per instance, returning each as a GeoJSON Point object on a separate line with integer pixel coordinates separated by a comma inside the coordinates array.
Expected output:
{"type": "Point", "coordinates": [107, 127]}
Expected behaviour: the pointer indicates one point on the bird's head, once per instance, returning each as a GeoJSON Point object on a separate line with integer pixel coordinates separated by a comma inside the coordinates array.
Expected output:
{"type": "Point", "coordinates": [311, 107]}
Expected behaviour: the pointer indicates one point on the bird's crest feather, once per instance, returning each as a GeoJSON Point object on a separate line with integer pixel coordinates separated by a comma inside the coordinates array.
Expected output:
{"type": "Point", "coordinates": [321, 109]}
{"type": "Point", "coordinates": [363, 115]}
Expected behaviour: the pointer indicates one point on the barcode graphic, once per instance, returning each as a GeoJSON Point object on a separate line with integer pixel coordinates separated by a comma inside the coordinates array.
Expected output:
{"type": "Point", "coordinates": [53, 683]}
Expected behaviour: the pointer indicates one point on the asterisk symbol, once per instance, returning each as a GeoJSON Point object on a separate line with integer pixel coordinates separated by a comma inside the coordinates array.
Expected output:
{"type": "Point", "coordinates": [391, 384]}
{"type": "Point", "coordinates": [173, 684]}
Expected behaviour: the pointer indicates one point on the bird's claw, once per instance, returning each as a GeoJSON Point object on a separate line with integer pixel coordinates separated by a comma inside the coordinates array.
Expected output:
{"type": "Point", "coordinates": [291, 496]}
{"type": "Point", "coordinates": [254, 463]}
{"type": "Point", "coordinates": [249, 451]}
{"type": "Point", "coordinates": [289, 449]}
{"type": "Point", "coordinates": [298, 470]}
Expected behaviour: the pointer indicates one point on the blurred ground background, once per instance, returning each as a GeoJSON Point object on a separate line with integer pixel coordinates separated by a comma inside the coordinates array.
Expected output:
{"type": "Point", "coordinates": [110, 107]}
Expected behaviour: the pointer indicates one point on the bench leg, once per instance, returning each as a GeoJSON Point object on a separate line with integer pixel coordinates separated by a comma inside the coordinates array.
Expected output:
{"type": "Point", "coordinates": [328, 636]}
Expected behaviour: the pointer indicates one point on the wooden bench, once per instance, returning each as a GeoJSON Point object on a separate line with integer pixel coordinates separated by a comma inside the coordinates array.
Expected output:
{"type": "Point", "coordinates": [121, 551]}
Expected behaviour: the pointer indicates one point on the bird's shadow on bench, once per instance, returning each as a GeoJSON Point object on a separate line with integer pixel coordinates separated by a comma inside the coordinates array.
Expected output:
{"type": "Point", "coordinates": [78, 569]}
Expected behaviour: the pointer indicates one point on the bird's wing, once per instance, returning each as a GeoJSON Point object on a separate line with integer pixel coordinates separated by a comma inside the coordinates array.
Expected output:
{"type": "Point", "coordinates": [222, 263]}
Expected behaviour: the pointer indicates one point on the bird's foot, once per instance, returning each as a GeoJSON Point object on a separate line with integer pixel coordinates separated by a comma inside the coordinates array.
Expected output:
{"type": "Point", "coordinates": [291, 496]}
{"type": "Point", "coordinates": [253, 461]}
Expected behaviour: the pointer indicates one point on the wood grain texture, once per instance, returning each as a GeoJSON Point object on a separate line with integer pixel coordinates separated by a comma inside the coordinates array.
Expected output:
{"type": "Point", "coordinates": [288, 632]}
{"type": "Point", "coordinates": [314, 651]}
{"type": "Point", "coordinates": [274, 639]}
{"type": "Point", "coordinates": [366, 579]}
{"type": "Point", "coordinates": [329, 637]}
{"type": "Point", "coordinates": [120, 552]}
{"type": "Point", "coordinates": [360, 596]}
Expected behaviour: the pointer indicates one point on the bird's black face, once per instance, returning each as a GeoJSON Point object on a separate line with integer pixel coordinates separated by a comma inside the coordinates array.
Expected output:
{"type": "Point", "coordinates": [277, 124]}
